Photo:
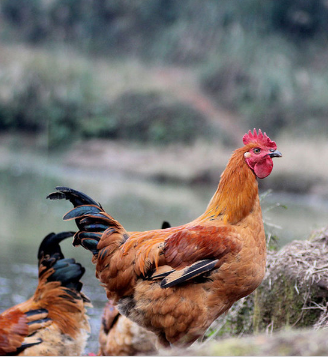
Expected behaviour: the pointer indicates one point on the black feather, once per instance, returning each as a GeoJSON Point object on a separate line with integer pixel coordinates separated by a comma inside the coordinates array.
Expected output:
{"type": "Point", "coordinates": [82, 210]}
{"type": "Point", "coordinates": [95, 227]}
{"type": "Point", "coordinates": [114, 321]}
{"type": "Point", "coordinates": [26, 345]}
{"type": "Point", "coordinates": [50, 244]}
{"type": "Point", "coordinates": [69, 273]}
{"type": "Point", "coordinates": [92, 237]}
{"type": "Point", "coordinates": [166, 225]}
{"type": "Point", "coordinates": [63, 263]}
{"type": "Point", "coordinates": [90, 245]}
{"type": "Point", "coordinates": [77, 286]}
{"type": "Point", "coordinates": [75, 197]}
{"type": "Point", "coordinates": [42, 320]}
{"type": "Point", "coordinates": [161, 275]}
{"type": "Point", "coordinates": [88, 215]}
{"type": "Point", "coordinates": [36, 312]}
{"type": "Point", "coordinates": [192, 271]}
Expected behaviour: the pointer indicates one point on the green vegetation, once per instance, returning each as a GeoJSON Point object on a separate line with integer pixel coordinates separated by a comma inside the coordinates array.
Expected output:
{"type": "Point", "coordinates": [64, 100]}
{"type": "Point", "coordinates": [265, 60]}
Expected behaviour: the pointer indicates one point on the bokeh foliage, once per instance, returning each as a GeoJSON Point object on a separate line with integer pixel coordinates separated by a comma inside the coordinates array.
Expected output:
{"type": "Point", "coordinates": [265, 60]}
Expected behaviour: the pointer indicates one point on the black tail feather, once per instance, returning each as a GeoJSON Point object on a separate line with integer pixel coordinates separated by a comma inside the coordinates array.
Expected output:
{"type": "Point", "coordinates": [82, 210]}
{"type": "Point", "coordinates": [89, 216]}
{"type": "Point", "coordinates": [89, 240]}
{"type": "Point", "coordinates": [90, 245]}
{"type": "Point", "coordinates": [166, 225]}
{"type": "Point", "coordinates": [77, 286]}
{"type": "Point", "coordinates": [50, 245]}
{"type": "Point", "coordinates": [97, 227]}
{"type": "Point", "coordinates": [75, 197]}
{"type": "Point", "coordinates": [68, 273]}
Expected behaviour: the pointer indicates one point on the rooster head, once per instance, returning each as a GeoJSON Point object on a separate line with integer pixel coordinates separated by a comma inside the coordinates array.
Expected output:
{"type": "Point", "coordinates": [259, 151]}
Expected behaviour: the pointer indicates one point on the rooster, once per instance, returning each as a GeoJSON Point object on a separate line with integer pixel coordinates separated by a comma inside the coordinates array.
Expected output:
{"type": "Point", "coordinates": [53, 321]}
{"type": "Point", "coordinates": [177, 281]}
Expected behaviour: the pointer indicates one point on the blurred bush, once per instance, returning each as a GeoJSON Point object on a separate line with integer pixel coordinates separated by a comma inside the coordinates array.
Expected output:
{"type": "Point", "coordinates": [49, 96]}
{"type": "Point", "coordinates": [300, 18]}
{"type": "Point", "coordinates": [101, 25]}
{"type": "Point", "coordinates": [65, 101]}
{"type": "Point", "coordinates": [180, 31]}
{"type": "Point", "coordinates": [148, 117]}
{"type": "Point", "coordinates": [269, 85]}
{"type": "Point", "coordinates": [264, 59]}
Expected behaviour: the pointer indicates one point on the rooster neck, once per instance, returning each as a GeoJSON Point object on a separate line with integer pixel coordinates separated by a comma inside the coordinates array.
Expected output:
{"type": "Point", "coordinates": [237, 192]}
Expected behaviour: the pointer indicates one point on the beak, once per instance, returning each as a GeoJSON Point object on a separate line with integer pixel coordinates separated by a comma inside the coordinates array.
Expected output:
{"type": "Point", "coordinates": [274, 154]}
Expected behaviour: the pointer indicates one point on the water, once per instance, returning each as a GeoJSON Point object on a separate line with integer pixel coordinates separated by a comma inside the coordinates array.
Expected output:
{"type": "Point", "coordinates": [26, 217]}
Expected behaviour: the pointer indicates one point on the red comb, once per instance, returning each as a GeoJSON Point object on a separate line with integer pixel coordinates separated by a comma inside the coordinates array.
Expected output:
{"type": "Point", "coordinates": [260, 138]}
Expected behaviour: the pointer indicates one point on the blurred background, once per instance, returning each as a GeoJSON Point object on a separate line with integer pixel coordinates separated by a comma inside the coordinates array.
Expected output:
{"type": "Point", "coordinates": [140, 104]}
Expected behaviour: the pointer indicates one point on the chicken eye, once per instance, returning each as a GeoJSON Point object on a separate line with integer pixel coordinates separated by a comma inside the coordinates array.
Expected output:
{"type": "Point", "coordinates": [257, 150]}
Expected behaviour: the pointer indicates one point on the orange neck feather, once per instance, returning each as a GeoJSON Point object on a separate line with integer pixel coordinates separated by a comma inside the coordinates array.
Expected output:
{"type": "Point", "coordinates": [236, 193]}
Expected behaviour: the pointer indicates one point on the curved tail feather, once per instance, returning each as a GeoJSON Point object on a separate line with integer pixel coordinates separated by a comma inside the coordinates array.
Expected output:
{"type": "Point", "coordinates": [66, 271]}
{"type": "Point", "coordinates": [75, 197]}
{"type": "Point", "coordinates": [91, 219]}
{"type": "Point", "coordinates": [50, 245]}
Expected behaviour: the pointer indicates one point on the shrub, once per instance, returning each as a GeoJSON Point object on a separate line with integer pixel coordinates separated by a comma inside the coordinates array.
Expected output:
{"type": "Point", "coordinates": [50, 96]}
{"type": "Point", "coordinates": [299, 18]}
{"type": "Point", "coordinates": [63, 98]}
{"type": "Point", "coordinates": [268, 85]}
{"type": "Point", "coordinates": [147, 117]}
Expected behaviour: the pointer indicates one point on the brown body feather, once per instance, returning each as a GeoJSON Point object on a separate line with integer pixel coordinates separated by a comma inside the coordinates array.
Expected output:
{"type": "Point", "coordinates": [119, 336]}
{"type": "Point", "coordinates": [133, 266]}
{"type": "Point", "coordinates": [13, 330]}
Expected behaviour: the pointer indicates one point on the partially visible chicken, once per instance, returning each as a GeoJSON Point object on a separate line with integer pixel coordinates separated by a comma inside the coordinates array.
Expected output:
{"type": "Point", "coordinates": [177, 281]}
{"type": "Point", "coordinates": [17, 329]}
{"type": "Point", "coordinates": [53, 321]}
{"type": "Point", "coordinates": [119, 336]}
